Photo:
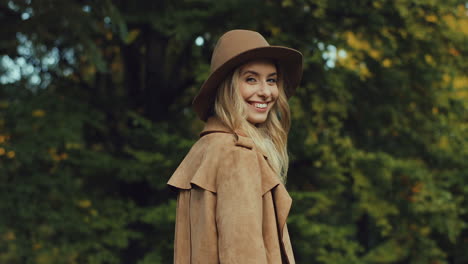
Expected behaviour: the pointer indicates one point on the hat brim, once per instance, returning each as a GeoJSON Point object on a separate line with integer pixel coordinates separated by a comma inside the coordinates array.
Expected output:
{"type": "Point", "coordinates": [290, 61]}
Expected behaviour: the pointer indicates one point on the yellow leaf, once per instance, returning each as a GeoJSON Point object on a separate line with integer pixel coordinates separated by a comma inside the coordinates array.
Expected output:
{"type": "Point", "coordinates": [425, 230]}
{"type": "Point", "coordinates": [64, 156]}
{"type": "Point", "coordinates": [460, 82]}
{"type": "Point", "coordinates": [446, 77]}
{"type": "Point", "coordinates": [2, 151]}
{"type": "Point", "coordinates": [11, 154]}
{"type": "Point", "coordinates": [387, 63]}
{"type": "Point", "coordinates": [403, 33]}
{"type": "Point", "coordinates": [116, 66]}
{"type": "Point", "coordinates": [38, 113]}
{"type": "Point", "coordinates": [37, 246]}
{"type": "Point", "coordinates": [97, 147]}
{"type": "Point", "coordinates": [356, 41]}
{"type": "Point", "coordinates": [53, 154]}
{"type": "Point", "coordinates": [417, 187]}
{"type": "Point", "coordinates": [443, 142]}
{"type": "Point", "coordinates": [71, 145]}
{"type": "Point", "coordinates": [44, 258]}
{"type": "Point", "coordinates": [376, 4]}
{"type": "Point", "coordinates": [275, 30]}
{"type": "Point", "coordinates": [132, 35]}
{"type": "Point", "coordinates": [318, 164]}
{"type": "Point", "coordinates": [454, 52]}
{"type": "Point", "coordinates": [287, 3]}
{"type": "Point", "coordinates": [458, 23]}
{"type": "Point", "coordinates": [431, 18]}
{"type": "Point", "coordinates": [109, 35]}
{"type": "Point", "coordinates": [89, 70]}
{"type": "Point", "coordinates": [84, 203]}
{"type": "Point", "coordinates": [364, 72]}
{"type": "Point", "coordinates": [9, 236]}
{"type": "Point", "coordinates": [374, 53]}
{"type": "Point", "coordinates": [428, 58]}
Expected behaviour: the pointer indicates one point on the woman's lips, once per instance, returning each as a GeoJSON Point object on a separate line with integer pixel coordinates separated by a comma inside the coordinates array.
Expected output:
{"type": "Point", "coordinates": [259, 106]}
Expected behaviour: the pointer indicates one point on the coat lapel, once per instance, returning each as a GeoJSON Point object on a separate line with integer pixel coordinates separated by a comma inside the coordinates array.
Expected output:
{"type": "Point", "coordinates": [282, 203]}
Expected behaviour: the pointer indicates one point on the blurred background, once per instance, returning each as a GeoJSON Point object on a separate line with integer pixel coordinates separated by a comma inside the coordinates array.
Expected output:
{"type": "Point", "coordinates": [95, 115]}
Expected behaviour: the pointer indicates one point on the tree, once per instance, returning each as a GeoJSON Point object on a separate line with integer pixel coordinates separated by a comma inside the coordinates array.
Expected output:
{"type": "Point", "coordinates": [99, 117]}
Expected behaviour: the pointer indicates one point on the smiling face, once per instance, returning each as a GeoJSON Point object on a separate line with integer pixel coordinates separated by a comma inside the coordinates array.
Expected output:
{"type": "Point", "coordinates": [258, 87]}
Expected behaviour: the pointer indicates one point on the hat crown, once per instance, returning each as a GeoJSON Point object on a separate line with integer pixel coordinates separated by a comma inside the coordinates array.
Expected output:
{"type": "Point", "coordinates": [233, 43]}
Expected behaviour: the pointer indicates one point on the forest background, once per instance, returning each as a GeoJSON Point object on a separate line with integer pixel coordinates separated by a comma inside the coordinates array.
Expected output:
{"type": "Point", "coordinates": [95, 115]}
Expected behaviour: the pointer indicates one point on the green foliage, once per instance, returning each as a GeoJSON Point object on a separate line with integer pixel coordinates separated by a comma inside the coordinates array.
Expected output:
{"type": "Point", "coordinates": [378, 143]}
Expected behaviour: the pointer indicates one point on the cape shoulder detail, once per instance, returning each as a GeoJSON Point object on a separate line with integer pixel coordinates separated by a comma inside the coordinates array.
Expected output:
{"type": "Point", "coordinates": [204, 161]}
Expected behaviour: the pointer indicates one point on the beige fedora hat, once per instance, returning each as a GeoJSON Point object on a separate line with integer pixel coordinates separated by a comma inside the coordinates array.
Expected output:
{"type": "Point", "coordinates": [237, 47]}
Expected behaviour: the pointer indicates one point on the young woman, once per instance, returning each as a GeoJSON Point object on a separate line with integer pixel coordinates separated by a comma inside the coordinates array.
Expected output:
{"type": "Point", "coordinates": [232, 204]}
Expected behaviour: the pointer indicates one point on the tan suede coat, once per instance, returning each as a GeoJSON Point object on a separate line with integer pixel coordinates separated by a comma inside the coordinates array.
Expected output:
{"type": "Point", "coordinates": [231, 207]}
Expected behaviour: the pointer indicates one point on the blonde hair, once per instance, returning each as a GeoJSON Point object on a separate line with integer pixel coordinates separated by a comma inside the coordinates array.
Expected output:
{"type": "Point", "coordinates": [271, 136]}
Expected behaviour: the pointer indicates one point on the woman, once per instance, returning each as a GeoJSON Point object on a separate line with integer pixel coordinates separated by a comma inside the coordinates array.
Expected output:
{"type": "Point", "coordinates": [232, 204]}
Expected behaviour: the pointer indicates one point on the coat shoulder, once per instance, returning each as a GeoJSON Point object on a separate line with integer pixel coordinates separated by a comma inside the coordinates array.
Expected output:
{"type": "Point", "coordinates": [201, 165]}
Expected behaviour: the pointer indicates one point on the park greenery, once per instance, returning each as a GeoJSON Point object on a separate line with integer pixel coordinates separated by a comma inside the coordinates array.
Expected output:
{"type": "Point", "coordinates": [95, 115]}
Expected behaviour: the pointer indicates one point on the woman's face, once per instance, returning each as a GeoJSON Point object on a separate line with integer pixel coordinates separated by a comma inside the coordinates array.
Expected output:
{"type": "Point", "coordinates": [258, 87]}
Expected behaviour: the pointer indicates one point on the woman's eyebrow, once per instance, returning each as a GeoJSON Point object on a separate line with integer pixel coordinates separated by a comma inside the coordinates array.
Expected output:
{"type": "Point", "coordinates": [251, 72]}
{"type": "Point", "coordinates": [256, 73]}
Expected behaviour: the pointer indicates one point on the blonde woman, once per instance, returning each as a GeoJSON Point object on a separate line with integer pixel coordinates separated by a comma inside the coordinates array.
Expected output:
{"type": "Point", "coordinates": [232, 204]}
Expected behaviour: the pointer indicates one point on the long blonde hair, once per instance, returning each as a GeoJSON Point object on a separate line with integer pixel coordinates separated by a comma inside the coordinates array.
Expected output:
{"type": "Point", "coordinates": [271, 136]}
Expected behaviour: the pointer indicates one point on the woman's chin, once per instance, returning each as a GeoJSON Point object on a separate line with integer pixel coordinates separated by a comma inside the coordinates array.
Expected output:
{"type": "Point", "coordinates": [257, 118]}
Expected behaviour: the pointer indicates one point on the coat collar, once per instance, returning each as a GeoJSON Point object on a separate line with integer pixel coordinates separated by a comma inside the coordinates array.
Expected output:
{"type": "Point", "coordinates": [214, 124]}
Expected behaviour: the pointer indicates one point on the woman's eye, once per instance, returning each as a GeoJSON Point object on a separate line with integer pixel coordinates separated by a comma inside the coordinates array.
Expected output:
{"type": "Point", "coordinates": [250, 79]}
{"type": "Point", "coordinates": [272, 80]}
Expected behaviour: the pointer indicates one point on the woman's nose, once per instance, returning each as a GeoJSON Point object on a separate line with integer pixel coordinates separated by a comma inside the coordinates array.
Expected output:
{"type": "Point", "coordinates": [264, 89]}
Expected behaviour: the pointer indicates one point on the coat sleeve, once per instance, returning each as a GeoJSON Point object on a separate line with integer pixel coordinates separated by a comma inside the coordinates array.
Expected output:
{"type": "Point", "coordinates": [239, 209]}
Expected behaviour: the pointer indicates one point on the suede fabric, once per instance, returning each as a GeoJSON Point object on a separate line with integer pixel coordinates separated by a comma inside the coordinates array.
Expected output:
{"type": "Point", "coordinates": [231, 207]}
